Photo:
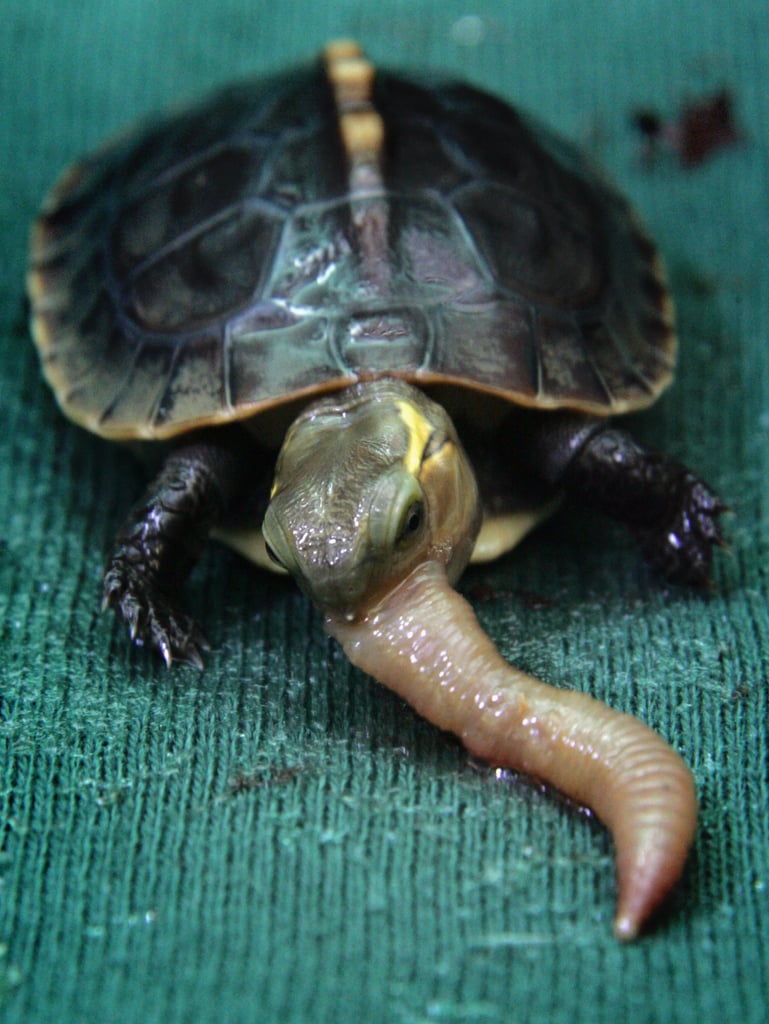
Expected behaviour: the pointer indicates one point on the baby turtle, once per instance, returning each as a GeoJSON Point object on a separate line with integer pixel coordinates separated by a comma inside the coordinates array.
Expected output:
{"type": "Point", "coordinates": [354, 263]}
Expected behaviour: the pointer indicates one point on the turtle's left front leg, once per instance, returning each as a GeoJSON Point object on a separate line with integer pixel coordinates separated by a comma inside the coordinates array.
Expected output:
{"type": "Point", "coordinates": [161, 540]}
{"type": "Point", "coordinates": [672, 513]}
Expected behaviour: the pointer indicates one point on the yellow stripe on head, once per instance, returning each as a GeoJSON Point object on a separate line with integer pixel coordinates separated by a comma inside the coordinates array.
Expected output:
{"type": "Point", "coordinates": [419, 430]}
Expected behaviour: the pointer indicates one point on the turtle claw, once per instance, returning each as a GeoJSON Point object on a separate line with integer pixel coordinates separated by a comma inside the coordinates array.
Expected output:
{"type": "Point", "coordinates": [152, 618]}
{"type": "Point", "coordinates": [680, 543]}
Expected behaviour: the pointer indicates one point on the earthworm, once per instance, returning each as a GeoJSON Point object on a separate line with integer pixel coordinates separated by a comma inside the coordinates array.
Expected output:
{"type": "Point", "coordinates": [424, 642]}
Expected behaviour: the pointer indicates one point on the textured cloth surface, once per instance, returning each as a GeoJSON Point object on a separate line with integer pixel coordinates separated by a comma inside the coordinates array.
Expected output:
{"type": "Point", "coordinates": [278, 839]}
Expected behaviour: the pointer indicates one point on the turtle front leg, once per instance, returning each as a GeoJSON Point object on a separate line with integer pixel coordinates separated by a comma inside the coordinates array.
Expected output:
{"type": "Point", "coordinates": [160, 542]}
{"type": "Point", "coordinates": [672, 513]}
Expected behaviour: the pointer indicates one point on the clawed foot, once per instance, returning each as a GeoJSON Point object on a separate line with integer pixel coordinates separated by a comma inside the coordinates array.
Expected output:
{"type": "Point", "coordinates": [679, 542]}
{"type": "Point", "coordinates": [151, 615]}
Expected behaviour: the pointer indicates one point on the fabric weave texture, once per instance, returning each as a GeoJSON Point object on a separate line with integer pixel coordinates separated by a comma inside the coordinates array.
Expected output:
{"type": "Point", "coordinates": [277, 839]}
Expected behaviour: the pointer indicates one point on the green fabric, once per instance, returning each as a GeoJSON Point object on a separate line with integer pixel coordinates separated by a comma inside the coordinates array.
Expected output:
{"type": "Point", "coordinates": [277, 839]}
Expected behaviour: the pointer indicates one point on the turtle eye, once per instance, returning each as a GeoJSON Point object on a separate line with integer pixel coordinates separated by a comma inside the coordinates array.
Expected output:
{"type": "Point", "coordinates": [397, 512]}
{"type": "Point", "coordinates": [412, 521]}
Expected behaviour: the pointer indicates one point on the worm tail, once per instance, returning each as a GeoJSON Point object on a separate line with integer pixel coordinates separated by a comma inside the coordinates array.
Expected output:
{"type": "Point", "coordinates": [424, 642]}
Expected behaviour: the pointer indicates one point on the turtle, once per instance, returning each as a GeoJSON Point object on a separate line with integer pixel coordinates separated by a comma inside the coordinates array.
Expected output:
{"type": "Point", "coordinates": [368, 327]}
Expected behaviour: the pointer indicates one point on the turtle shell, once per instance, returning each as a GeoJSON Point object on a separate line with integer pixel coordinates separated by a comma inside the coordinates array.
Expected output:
{"type": "Point", "coordinates": [216, 262]}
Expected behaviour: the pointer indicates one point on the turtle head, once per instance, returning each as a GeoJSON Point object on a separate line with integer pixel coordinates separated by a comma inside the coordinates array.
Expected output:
{"type": "Point", "coordinates": [369, 484]}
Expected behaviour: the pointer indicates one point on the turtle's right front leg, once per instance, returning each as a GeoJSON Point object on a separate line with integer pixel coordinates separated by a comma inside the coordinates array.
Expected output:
{"type": "Point", "coordinates": [672, 513]}
{"type": "Point", "coordinates": [160, 542]}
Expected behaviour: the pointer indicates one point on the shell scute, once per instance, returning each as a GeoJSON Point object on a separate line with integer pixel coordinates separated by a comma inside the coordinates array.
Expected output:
{"type": "Point", "coordinates": [553, 260]}
{"type": "Point", "coordinates": [226, 258]}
